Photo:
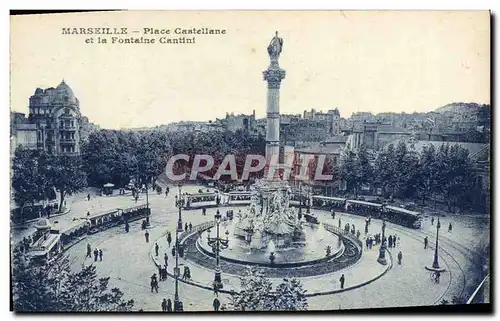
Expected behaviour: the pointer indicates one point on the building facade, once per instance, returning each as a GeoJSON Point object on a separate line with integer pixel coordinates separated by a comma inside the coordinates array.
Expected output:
{"type": "Point", "coordinates": [54, 124]}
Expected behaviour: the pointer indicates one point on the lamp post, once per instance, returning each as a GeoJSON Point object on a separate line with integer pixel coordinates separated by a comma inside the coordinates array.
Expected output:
{"type": "Point", "coordinates": [309, 200]}
{"type": "Point", "coordinates": [300, 200]}
{"type": "Point", "coordinates": [217, 244]}
{"type": "Point", "coordinates": [381, 255]}
{"type": "Point", "coordinates": [435, 263]}
{"type": "Point", "coordinates": [177, 302]}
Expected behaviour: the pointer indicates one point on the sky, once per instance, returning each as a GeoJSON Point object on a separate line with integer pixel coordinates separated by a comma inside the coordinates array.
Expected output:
{"type": "Point", "coordinates": [375, 61]}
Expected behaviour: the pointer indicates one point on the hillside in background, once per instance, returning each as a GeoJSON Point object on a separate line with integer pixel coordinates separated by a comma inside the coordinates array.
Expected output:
{"type": "Point", "coordinates": [461, 107]}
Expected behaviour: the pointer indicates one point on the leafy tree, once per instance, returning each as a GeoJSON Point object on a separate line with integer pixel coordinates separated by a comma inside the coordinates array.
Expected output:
{"type": "Point", "coordinates": [256, 294]}
{"type": "Point", "coordinates": [29, 179]}
{"type": "Point", "coordinates": [363, 169]}
{"type": "Point", "coordinates": [52, 287]}
{"type": "Point", "coordinates": [66, 174]}
{"type": "Point", "coordinates": [348, 170]}
{"type": "Point", "coordinates": [385, 170]}
{"type": "Point", "coordinates": [290, 296]}
{"type": "Point", "coordinates": [427, 182]}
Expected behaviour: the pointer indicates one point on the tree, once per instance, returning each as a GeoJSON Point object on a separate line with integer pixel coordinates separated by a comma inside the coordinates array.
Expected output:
{"type": "Point", "coordinates": [290, 296]}
{"type": "Point", "coordinates": [363, 169]}
{"type": "Point", "coordinates": [256, 294]}
{"type": "Point", "coordinates": [29, 179]}
{"type": "Point", "coordinates": [385, 170]}
{"type": "Point", "coordinates": [428, 173]}
{"type": "Point", "coordinates": [52, 287]}
{"type": "Point", "coordinates": [348, 170]}
{"type": "Point", "coordinates": [66, 174]}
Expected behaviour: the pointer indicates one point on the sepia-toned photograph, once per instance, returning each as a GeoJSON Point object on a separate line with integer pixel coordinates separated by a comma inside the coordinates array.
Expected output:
{"type": "Point", "coordinates": [221, 161]}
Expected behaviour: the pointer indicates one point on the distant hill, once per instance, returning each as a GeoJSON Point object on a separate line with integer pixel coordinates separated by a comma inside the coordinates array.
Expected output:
{"type": "Point", "coordinates": [460, 107]}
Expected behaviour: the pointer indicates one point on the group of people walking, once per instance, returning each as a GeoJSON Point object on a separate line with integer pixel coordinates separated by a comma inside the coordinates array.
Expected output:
{"type": "Point", "coordinates": [97, 253]}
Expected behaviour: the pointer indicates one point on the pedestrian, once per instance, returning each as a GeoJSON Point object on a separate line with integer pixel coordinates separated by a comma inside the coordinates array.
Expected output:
{"type": "Point", "coordinates": [173, 251]}
{"type": "Point", "coordinates": [159, 273]}
{"type": "Point", "coordinates": [154, 283]}
{"type": "Point", "coordinates": [165, 258]}
{"type": "Point", "coordinates": [340, 222]}
{"type": "Point", "coordinates": [190, 227]}
{"type": "Point", "coordinates": [89, 251]}
{"type": "Point", "coordinates": [156, 249]}
{"type": "Point", "coordinates": [100, 254]}
{"type": "Point", "coordinates": [358, 234]}
{"type": "Point", "coordinates": [88, 197]}
{"type": "Point", "coordinates": [400, 257]}
{"type": "Point", "coordinates": [390, 241]}
{"type": "Point", "coordinates": [333, 213]}
{"type": "Point", "coordinates": [147, 236]}
{"type": "Point", "coordinates": [169, 239]}
{"type": "Point", "coordinates": [88, 213]}
{"type": "Point", "coordinates": [165, 272]}
{"type": "Point", "coordinates": [426, 241]}
{"type": "Point", "coordinates": [432, 220]}
{"type": "Point", "coordinates": [169, 305]}
{"type": "Point", "coordinates": [449, 228]}
{"type": "Point", "coordinates": [164, 305]}
{"type": "Point", "coordinates": [186, 227]}
{"type": "Point", "coordinates": [96, 253]}
{"type": "Point", "coordinates": [367, 243]}
{"type": "Point", "coordinates": [127, 227]}
{"type": "Point", "coordinates": [342, 280]}
{"type": "Point", "coordinates": [216, 304]}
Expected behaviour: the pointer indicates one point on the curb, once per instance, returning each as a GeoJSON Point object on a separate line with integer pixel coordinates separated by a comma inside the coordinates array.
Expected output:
{"type": "Point", "coordinates": [389, 266]}
{"type": "Point", "coordinates": [36, 219]}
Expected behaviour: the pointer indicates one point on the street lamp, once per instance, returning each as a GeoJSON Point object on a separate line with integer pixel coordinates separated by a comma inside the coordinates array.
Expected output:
{"type": "Point", "coordinates": [381, 255]}
{"type": "Point", "coordinates": [308, 200]}
{"type": "Point", "coordinates": [300, 200]}
{"type": "Point", "coordinates": [218, 244]}
{"type": "Point", "coordinates": [435, 263]}
{"type": "Point", "coordinates": [177, 302]}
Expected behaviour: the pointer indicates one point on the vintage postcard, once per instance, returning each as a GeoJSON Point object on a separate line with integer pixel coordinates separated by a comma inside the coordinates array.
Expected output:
{"type": "Point", "coordinates": [184, 161]}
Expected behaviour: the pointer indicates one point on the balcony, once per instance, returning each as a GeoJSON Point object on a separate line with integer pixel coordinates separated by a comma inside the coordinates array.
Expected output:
{"type": "Point", "coordinates": [67, 140]}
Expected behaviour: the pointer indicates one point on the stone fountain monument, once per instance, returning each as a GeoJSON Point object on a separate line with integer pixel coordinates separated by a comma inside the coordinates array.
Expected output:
{"type": "Point", "coordinates": [270, 217]}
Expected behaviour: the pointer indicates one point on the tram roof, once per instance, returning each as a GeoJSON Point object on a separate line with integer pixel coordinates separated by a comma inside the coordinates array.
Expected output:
{"type": "Point", "coordinates": [403, 210]}
{"type": "Point", "coordinates": [329, 198]}
{"type": "Point", "coordinates": [201, 194]}
{"type": "Point", "coordinates": [365, 203]}
{"type": "Point", "coordinates": [102, 213]}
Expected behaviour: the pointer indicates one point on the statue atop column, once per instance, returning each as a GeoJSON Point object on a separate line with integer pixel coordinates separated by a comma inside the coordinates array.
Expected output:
{"type": "Point", "coordinates": [275, 47]}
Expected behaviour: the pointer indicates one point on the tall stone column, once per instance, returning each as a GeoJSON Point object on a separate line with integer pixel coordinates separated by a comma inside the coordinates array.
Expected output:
{"type": "Point", "coordinates": [273, 76]}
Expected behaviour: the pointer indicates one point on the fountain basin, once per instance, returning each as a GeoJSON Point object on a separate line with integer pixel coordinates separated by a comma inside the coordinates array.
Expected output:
{"type": "Point", "coordinates": [310, 250]}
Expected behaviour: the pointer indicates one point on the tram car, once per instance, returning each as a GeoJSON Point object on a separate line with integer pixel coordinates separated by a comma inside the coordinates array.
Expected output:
{"type": "Point", "coordinates": [102, 220]}
{"type": "Point", "coordinates": [201, 200]}
{"type": "Point", "coordinates": [364, 208]}
{"type": "Point", "coordinates": [239, 198]}
{"type": "Point", "coordinates": [328, 202]}
{"type": "Point", "coordinates": [134, 213]}
{"type": "Point", "coordinates": [392, 214]}
{"type": "Point", "coordinates": [403, 216]}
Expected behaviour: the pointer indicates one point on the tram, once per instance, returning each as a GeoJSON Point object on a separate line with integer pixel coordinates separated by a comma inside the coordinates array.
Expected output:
{"type": "Point", "coordinates": [200, 200]}
{"type": "Point", "coordinates": [392, 214]}
{"type": "Point", "coordinates": [402, 216]}
{"type": "Point", "coordinates": [327, 203]}
{"type": "Point", "coordinates": [364, 208]}
{"type": "Point", "coordinates": [239, 198]}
